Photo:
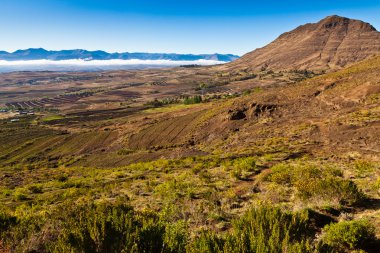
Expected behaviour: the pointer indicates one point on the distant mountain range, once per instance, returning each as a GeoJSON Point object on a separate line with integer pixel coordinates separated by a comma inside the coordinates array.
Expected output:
{"type": "Point", "coordinates": [42, 54]}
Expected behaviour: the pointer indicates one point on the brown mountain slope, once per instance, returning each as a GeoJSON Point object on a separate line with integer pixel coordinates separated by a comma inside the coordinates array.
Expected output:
{"type": "Point", "coordinates": [332, 43]}
{"type": "Point", "coordinates": [333, 114]}
{"type": "Point", "coordinates": [336, 113]}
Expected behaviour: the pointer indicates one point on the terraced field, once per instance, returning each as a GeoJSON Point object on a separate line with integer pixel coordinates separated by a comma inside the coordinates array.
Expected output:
{"type": "Point", "coordinates": [26, 143]}
{"type": "Point", "coordinates": [169, 132]}
{"type": "Point", "coordinates": [48, 102]}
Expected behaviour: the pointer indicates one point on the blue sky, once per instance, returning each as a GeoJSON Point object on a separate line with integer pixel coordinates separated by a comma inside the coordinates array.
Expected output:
{"type": "Point", "coordinates": [191, 26]}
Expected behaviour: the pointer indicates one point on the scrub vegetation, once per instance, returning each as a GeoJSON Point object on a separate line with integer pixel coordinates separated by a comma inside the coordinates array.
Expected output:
{"type": "Point", "coordinates": [192, 160]}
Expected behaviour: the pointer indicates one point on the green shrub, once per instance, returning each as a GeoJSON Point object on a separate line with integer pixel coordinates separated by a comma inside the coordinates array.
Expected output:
{"type": "Point", "coordinates": [6, 221]}
{"type": "Point", "coordinates": [348, 235]}
{"type": "Point", "coordinates": [21, 231]}
{"type": "Point", "coordinates": [261, 229]}
{"type": "Point", "coordinates": [206, 242]}
{"type": "Point", "coordinates": [245, 164]}
{"type": "Point", "coordinates": [116, 227]}
{"type": "Point", "coordinates": [377, 184]}
{"type": "Point", "coordinates": [109, 228]}
{"type": "Point", "coordinates": [36, 188]}
{"type": "Point", "coordinates": [205, 176]}
{"type": "Point", "coordinates": [192, 100]}
{"type": "Point", "coordinates": [236, 173]}
{"type": "Point", "coordinates": [155, 103]}
{"type": "Point", "coordinates": [104, 227]}
{"type": "Point", "coordinates": [241, 168]}
{"type": "Point", "coordinates": [281, 174]}
{"type": "Point", "coordinates": [6, 192]}
{"type": "Point", "coordinates": [197, 168]}
{"type": "Point", "coordinates": [363, 168]}
{"type": "Point", "coordinates": [176, 237]}
{"type": "Point", "coordinates": [344, 192]}
{"type": "Point", "coordinates": [268, 229]}
{"type": "Point", "coordinates": [312, 183]}
{"type": "Point", "coordinates": [62, 178]}
{"type": "Point", "coordinates": [124, 151]}
{"type": "Point", "coordinates": [20, 196]}
{"type": "Point", "coordinates": [176, 188]}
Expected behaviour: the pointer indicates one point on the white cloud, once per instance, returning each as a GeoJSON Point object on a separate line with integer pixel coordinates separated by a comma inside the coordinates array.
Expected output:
{"type": "Point", "coordinates": [99, 63]}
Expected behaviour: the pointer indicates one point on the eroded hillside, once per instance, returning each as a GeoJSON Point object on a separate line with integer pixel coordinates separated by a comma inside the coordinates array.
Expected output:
{"type": "Point", "coordinates": [332, 43]}
{"type": "Point", "coordinates": [335, 112]}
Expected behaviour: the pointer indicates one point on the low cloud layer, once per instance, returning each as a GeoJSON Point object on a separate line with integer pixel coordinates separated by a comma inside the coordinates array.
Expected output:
{"type": "Point", "coordinates": [72, 65]}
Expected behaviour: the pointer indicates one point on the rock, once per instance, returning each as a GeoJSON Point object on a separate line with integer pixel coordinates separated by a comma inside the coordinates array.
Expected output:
{"type": "Point", "coordinates": [260, 109]}
{"type": "Point", "coordinates": [237, 115]}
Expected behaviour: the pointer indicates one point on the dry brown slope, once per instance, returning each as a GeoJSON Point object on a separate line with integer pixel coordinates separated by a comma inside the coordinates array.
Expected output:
{"type": "Point", "coordinates": [337, 113]}
{"type": "Point", "coordinates": [332, 43]}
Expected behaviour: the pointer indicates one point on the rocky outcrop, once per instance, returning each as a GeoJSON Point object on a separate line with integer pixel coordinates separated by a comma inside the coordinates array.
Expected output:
{"type": "Point", "coordinates": [255, 110]}
{"type": "Point", "coordinates": [260, 109]}
{"type": "Point", "coordinates": [237, 114]}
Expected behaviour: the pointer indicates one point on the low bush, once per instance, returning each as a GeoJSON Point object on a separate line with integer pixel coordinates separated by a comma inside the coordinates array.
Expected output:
{"type": "Point", "coordinates": [245, 164]}
{"type": "Point", "coordinates": [318, 184]}
{"type": "Point", "coordinates": [363, 168]}
{"type": "Point", "coordinates": [348, 235]}
{"type": "Point", "coordinates": [236, 173]}
{"type": "Point", "coordinates": [261, 229]}
{"type": "Point", "coordinates": [114, 227]}
{"type": "Point", "coordinates": [62, 178]}
{"type": "Point", "coordinates": [157, 103]}
{"type": "Point", "coordinates": [334, 190]}
{"type": "Point", "coordinates": [377, 185]}
{"type": "Point", "coordinates": [6, 221]}
{"type": "Point", "coordinates": [20, 195]}
{"type": "Point", "coordinates": [36, 188]}
{"type": "Point", "coordinates": [92, 228]}
{"type": "Point", "coordinates": [242, 167]}
{"type": "Point", "coordinates": [206, 242]}
{"type": "Point", "coordinates": [268, 229]}
{"type": "Point", "coordinates": [124, 151]}
{"type": "Point", "coordinates": [192, 100]}
{"type": "Point", "coordinates": [176, 237]}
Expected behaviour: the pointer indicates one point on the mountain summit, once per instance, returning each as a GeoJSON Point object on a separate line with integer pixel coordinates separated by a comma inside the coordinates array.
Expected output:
{"type": "Point", "coordinates": [332, 43]}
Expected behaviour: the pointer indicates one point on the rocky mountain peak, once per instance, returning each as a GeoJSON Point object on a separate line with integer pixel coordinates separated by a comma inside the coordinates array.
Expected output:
{"type": "Point", "coordinates": [334, 21]}
{"type": "Point", "coordinates": [332, 43]}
